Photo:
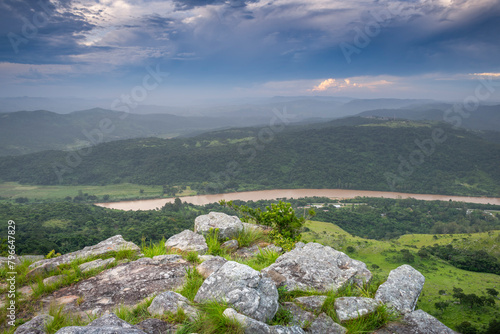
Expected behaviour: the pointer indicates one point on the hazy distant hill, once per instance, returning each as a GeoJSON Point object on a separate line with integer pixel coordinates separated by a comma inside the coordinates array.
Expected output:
{"type": "Point", "coordinates": [355, 153]}
{"type": "Point", "coordinates": [483, 118]}
{"type": "Point", "coordinates": [33, 131]}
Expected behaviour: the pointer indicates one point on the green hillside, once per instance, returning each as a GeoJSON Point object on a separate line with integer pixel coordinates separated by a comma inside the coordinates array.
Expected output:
{"type": "Point", "coordinates": [352, 153]}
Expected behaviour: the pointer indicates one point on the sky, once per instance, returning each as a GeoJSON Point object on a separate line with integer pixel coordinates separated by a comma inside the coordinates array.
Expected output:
{"type": "Point", "coordinates": [170, 52]}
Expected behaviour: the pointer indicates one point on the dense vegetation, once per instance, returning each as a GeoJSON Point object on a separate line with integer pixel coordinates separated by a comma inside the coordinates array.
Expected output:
{"type": "Point", "coordinates": [353, 153]}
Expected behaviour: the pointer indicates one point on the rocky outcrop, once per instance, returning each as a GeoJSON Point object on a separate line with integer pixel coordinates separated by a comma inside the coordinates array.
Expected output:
{"type": "Point", "coordinates": [187, 241]}
{"type": "Point", "coordinates": [416, 322]}
{"type": "Point", "coordinates": [206, 268]}
{"type": "Point", "coordinates": [107, 324]}
{"type": "Point", "coordinates": [106, 247]}
{"type": "Point", "coordinates": [171, 302]}
{"type": "Point", "coordinates": [348, 308]}
{"type": "Point", "coordinates": [242, 287]}
{"type": "Point", "coordinates": [402, 289]}
{"type": "Point", "coordinates": [35, 325]}
{"type": "Point", "coordinates": [315, 266]}
{"type": "Point", "coordinates": [228, 226]}
{"type": "Point", "coordinates": [96, 264]}
{"type": "Point", "coordinates": [126, 284]}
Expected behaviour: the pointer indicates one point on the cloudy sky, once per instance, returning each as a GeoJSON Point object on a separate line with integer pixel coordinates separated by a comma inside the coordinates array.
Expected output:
{"type": "Point", "coordinates": [437, 49]}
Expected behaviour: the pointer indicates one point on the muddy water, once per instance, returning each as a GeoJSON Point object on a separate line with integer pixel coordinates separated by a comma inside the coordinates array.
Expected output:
{"type": "Point", "coordinates": [152, 204]}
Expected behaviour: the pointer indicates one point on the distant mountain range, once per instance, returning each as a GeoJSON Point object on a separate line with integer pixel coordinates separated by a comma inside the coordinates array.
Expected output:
{"type": "Point", "coordinates": [23, 132]}
{"type": "Point", "coordinates": [352, 153]}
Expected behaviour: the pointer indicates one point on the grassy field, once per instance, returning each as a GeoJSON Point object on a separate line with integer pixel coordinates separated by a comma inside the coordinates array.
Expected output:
{"type": "Point", "coordinates": [382, 256]}
{"type": "Point", "coordinates": [12, 190]}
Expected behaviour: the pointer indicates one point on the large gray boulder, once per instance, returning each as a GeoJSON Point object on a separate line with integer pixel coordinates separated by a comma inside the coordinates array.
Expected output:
{"type": "Point", "coordinates": [35, 325]}
{"type": "Point", "coordinates": [228, 225]}
{"type": "Point", "coordinates": [252, 326]}
{"type": "Point", "coordinates": [106, 247]}
{"type": "Point", "coordinates": [187, 241]}
{"type": "Point", "coordinates": [126, 284]}
{"type": "Point", "coordinates": [416, 322]}
{"type": "Point", "coordinates": [170, 302]}
{"type": "Point", "coordinates": [315, 266]}
{"type": "Point", "coordinates": [107, 324]}
{"type": "Point", "coordinates": [348, 308]}
{"type": "Point", "coordinates": [402, 289]}
{"type": "Point", "coordinates": [243, 288]}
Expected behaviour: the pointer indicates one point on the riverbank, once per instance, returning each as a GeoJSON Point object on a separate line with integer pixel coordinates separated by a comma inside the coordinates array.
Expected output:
{"type": "Point", "coordinates": [152, 204]}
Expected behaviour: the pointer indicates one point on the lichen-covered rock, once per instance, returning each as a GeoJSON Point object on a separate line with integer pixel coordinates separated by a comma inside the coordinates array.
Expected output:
{"type": "Point", "coordinates": [170, 301]}
{"type": "Point", "coordinates": [107, 324]}
{"type": "Point", "coordinates": [126, 284]}
{"type": "Point", "coordinates": [108, 246]}
{"type": "Point", "coordinates": [156, 326]}
{"type": "Point", "coordinates": [206, 268]}
{"type": "Point", "coordinates": [96, 264]}
{"type": "Point", "coordinates": [35, 325]}
{"type": "Point", "coordinates": [53, 279]}
{"type": "Point", "coordinates": [228, 226]}
{"type": "Point", "coordinates": [315, 266]}
{"type": "Point", "coordinates": [242, 287]}
{"type": "Point", "coordinates": [311, 303]}
{"type": "Point", "coordinates": [187, 241]}
{"type": "Point", "coordinates": [348, 308]}
{"type": "Point", "coordinates": [300, 317]}
{"type": "Point", "coordinates": [416, 322]}
{"type": "Point", "coordinates": [230, 245]}
{"type": "Point", "coordinates": [42, 269]}
{"type": "Point", "coordinates": [323, 324]}
{"type": "Point", "coordinates": [174, 258]}
{"type": "Point", "coordinates": [402, 289]}
{"type": "Point", "coordinates": [252, 326]}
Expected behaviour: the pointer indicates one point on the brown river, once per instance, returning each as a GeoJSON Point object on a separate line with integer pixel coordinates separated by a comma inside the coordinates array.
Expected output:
{"type": "Point", "coordinates": [152, 204]}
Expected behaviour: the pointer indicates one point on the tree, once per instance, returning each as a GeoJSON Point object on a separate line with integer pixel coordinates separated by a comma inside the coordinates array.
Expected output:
{"type": "Point", "coordinates": [441, 305]}
{"type": "Point", "coordinates": [492, 292]}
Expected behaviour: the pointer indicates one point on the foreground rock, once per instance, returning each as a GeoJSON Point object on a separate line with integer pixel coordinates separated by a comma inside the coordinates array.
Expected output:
{"type": "Point", "coordinates": [187, 241]}
{"type": "Point", "coordinates": [126, 284]}
{"type": "Point", "coordinates": [349, 308]}
{"type": "Point", "coordinates": [35, 325]}
{"type": "Point", "coordinates": [228, 226]}
{"type": "Point", "coordinates": [252, 326]}
{"type": "Point", "coordinates": [170, 302]}
{"type": "Point", "coordinates": [323, 324]}
{"type": "Point", "coordinates": [402, 289]}
{"type": "Point", "coordinates": [108, 323]}
{"type": "Point", "coordinates": [242, 287]}
{"type": "Point", "coordinates": [416, 322]}
{"type": "Point", "coordinates": [315, 266]}
{"type": "Point", "coordinates": [106, 247]}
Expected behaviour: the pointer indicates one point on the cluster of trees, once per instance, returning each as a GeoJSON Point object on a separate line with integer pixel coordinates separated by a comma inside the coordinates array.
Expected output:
{"type": "Point", "coordinates": [67, 226]}
{"type": "Point", "coordinates": [472, 260]}
{"type": "Point", "coordinates": [331, 155]}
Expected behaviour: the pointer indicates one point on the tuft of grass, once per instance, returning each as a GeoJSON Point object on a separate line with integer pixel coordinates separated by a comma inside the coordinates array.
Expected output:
{"type": "Point", "coordinates": [288, 296]}
{"type": "Point", "coordinates": [194, 280]}
{"type": "Point", "coordinates": [372, 321]}
{"type": "Point", "coordinates": [248, 237]}
{"type": "Point", "coordinates": [154, 249]}
{"type": "Point", "coordinates": [136, 314]}
{"type": "Point", "coordinates": [211, 321]}
{"type": "Point", "coordinates": [63, 319]}
{"type": "Point", "coordinates": [192, 257]}
{"type": "Point", "coordinates": [179, 317]}
{"type": "Point", "coordinates": [282, 317]}
{"type": "Point", "coordinates": [263, 259]}
{"type": "Point", "coordinates": [214, 243]}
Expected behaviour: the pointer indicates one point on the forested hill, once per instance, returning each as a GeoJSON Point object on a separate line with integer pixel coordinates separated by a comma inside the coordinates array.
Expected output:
{"type": "Point", "coordinates": [355, 153]}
